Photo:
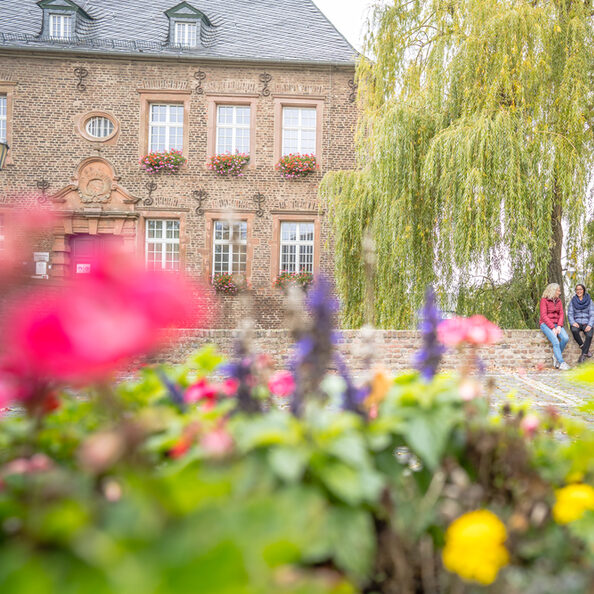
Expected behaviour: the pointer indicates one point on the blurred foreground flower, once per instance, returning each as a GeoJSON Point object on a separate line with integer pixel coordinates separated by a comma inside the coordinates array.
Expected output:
{"type": "Point", "coordinates": [281, 383]}
{"type": "Point", "coordinates": [476, 330]}
{"type": "Point", "coordinates": [94, 325]}
{"type": "Point", "coordinates": [22, 229]}
{"type": "Point", "coordinates": [573, 502]}
{"type": "Point", "coordinates": [475, 547]}
{"type": "Point", "coordinates": [427, 360]}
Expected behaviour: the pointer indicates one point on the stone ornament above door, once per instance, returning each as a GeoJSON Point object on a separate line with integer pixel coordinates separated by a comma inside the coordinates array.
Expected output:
{"type": "Point", "coordinates": [95, 184]}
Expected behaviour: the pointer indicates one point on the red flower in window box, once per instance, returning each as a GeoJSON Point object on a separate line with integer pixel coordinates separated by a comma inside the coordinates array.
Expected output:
{"type": "Point", "coordinates": [296, 165]}
{"type": "Point", "coordinates": [300, 279]}
{"type": "Point", "coordinates": [228, 163]}
{"type": "Point", "coordinates": [167, 162]}
{"type": "Point", "coordinates": [229, 284]}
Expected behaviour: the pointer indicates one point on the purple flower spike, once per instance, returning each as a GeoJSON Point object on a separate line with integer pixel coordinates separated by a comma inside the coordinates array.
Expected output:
{"type": "Point", "coordinates": [427, 360]}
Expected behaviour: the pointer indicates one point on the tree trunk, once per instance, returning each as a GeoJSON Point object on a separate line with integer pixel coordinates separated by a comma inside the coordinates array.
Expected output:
{"type": "Point", "coordinates": [555, 271]}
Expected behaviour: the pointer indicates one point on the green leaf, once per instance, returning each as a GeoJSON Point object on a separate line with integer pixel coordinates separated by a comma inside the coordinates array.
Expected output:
{"type": "Point", "coordinates": [206, 360]}
{"type": "Point", "coordinates": [288, 463]}
{"type": "Point", "coordinates": [427, 432]}
{"type": "Point", "coordinates": [352, 540]}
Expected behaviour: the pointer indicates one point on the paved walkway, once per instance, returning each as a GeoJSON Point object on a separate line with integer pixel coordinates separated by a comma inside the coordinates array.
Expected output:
{"type": "Point", "coordinates": [543, 389]}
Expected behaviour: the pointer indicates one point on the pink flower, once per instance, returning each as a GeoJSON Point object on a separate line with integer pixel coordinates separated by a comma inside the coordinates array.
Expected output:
{"type": "Point", "coordinates": [452, 332]}
{"type": "Point", "coordinates": [470, 389]}
{"type": "Point", "coordinates": [529, 424]}
{"type": "Point", "coordinates": [218, 443]}
{"type": "Point", "coordinates": [281, 384]}
{"type": "Point", "coordinates": [97, 323]}
{"type": "Point", "coordinates": [475, 330]}
{"type": "Point", "coordinates": [202, 390]}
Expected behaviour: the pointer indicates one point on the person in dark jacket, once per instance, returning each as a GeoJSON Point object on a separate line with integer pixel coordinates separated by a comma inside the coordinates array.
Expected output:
{"type": "Point", "coordinates": [580, 314]}
{"type": "Point", "coordinates": [551, 323]}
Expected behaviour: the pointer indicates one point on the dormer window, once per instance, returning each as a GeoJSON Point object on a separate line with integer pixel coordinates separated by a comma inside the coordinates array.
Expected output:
{"type": "Point", "coordinates": [60, 26]}
{"type": "Point", "coordinates": [185, 24]}
{"type": "Point", "coordinates": [185, 34]}
{"type": "Point", "coordinates": [60, 19]}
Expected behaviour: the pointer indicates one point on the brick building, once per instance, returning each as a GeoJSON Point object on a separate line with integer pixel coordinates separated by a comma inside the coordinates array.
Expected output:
{"type": "Point", "coordinates": [87, 88]}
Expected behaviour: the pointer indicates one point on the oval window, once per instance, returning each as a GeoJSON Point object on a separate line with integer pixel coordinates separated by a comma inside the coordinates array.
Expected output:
{"type": "Point", "coordinates": [100, 127]}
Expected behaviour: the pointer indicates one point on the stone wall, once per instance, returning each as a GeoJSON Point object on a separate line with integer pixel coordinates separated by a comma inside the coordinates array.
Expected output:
{"type": "Point", "coordinates": [394, 349]}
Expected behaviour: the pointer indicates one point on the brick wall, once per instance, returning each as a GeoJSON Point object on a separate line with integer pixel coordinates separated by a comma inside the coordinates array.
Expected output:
{"type": "Point", "coordinates": [394, 349]}
{"type": "Point", "coordinates": [47, 144]}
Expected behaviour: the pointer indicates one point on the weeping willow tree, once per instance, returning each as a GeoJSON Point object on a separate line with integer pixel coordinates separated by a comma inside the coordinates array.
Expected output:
{"type": "Point", "coordinates": [475, 148]}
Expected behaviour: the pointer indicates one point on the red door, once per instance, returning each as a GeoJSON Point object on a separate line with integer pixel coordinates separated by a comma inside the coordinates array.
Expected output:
{"type": "Point", "coordinates": [85, 249]}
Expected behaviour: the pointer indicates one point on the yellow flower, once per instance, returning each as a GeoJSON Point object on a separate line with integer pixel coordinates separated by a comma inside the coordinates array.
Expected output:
{"type": "Point", "coordinates": [475, 547]}
{"type": "Point", "coordinates": [572, 502]}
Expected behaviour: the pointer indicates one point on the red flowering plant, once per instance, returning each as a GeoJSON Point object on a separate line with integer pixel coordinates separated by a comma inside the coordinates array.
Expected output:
{"type": "Point", "coordinates": [230, 164]}
{"type": "Point", "coordinates": [297, 165]}
{"type": "Point", "coordinates": [167, 162]}
{"type": "Point", "coordinates": [226, 283]}
{"type": "Point", "coordinates": [301, 279]}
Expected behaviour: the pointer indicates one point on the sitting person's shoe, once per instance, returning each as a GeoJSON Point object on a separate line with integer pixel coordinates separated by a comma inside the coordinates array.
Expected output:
{"type": "Point", "coordinates": [589, 355]}
{"type": "Point", "coordinates": [555, 362]}
{"type": "Point", "coordinates": [582, 358]}
{"type": "Point", "coordinates": [564, 366]}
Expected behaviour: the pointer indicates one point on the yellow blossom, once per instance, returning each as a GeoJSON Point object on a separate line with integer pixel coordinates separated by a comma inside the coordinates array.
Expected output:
{"type": "Point", "coordinates": [572, 502]}
{"type": "Point", "coordinates": [475, 547]}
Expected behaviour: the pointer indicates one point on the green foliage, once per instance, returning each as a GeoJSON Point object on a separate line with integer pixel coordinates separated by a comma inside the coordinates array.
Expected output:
{"type": "Point", "coordinates": [330, 502]}
{"type": "Point", "coordinates": [475, 140]}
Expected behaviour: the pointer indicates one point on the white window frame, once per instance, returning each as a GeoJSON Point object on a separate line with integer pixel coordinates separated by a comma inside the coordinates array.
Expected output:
{"type": "Point", "coordinates": [103, 123]}
{"type": "Point", "coordinates": [299, 128]}
{"type": "Point", "coordinates": [64, 26]}
{"type": "Point", "coordinates": [232, 242]}
{"type": "Point", "coordinates": [167, 124]}
{"type": "Point", "coordinates": [163, 242]}
{"type": "Point", "coordinates": [186, 33]}
{"type": "Point", "coordinates": [234, 126]}
{"type": "Point", "coordinates": [298, 243]}
{"type": "Point", "coordinates": [4, 118]}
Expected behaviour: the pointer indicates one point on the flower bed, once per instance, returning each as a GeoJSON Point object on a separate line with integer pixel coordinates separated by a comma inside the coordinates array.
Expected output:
{"type": "Point", "coordinates": [230, 164]}
{"type": "Point", "coordinates": [300, 279]}
{"type": "Point", "coordinates": [296, 165]}
{"type": "Point", "coordinates": [168, 162]}
{"type": "Point", "coordinates": [193, 478]}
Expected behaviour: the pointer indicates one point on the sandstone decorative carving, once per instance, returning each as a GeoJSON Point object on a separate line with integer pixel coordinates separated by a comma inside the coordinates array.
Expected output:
{"type": "Point", "coordinates": [95, 182]}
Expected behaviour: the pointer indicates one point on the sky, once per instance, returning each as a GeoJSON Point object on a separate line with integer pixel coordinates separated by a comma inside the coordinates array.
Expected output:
{"type": "Point", "coordinates": [348, 16]}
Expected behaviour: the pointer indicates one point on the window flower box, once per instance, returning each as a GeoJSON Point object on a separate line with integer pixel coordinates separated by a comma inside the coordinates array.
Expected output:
{"type": "Point", "coordinates": [229, 284]}
{"type": "Point", "coordinates": [299, 279]}
{"type": "Point", "coordinates": [168, 162]}
{"type": "Point", "coordinates": [296, 165]}
{"type": "Point", "coordinates": [230, 164]}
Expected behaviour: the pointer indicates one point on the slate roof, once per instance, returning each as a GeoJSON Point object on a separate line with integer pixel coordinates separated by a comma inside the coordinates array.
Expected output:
{"type": "Point", "coordinates": [252, 30]}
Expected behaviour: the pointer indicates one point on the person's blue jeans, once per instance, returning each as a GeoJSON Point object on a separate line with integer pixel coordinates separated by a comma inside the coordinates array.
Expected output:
{"type": "Point", "coordinates": [559, 342]}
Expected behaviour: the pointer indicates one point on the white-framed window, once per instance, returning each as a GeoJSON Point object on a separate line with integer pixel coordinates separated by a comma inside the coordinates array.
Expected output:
{"type": "Point", "coordinates": [297, 247]}
{"type": "Point", "coordinates": [3, 108]}
{"type": "Point", "coordinates": [299, 130]}
{"type": "Point", "coordinates": [162, 244]}
{"type": "Point", "coordinates": [229, 247]}
{"type": "Point", "coordinates": [99, 127]}
{"type": "Point", "coordinates": [166, 127]}
{"type": "Point", "coordinates": [233, 129]}
{"type": "Point", "coordinates": [186, 34]}
{"type": "Point", "coordinates": [60, 26]}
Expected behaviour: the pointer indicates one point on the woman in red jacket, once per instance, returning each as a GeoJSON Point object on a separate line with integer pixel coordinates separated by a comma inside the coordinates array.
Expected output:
{"type": "Point", "coordinates": [551, 323]}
